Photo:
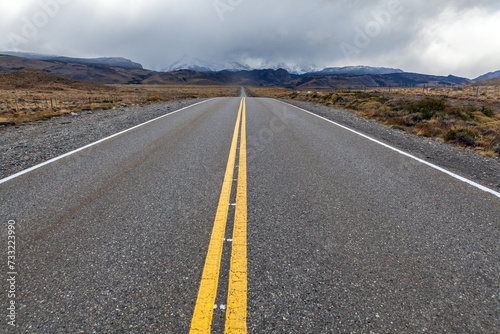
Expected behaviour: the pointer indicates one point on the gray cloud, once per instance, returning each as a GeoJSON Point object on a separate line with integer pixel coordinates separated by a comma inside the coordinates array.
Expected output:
{"type": "Point", "coordinates": [421, 36]}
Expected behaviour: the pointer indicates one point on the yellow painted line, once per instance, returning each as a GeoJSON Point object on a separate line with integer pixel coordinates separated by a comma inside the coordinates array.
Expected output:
{"type": "Point", "coordinates": [236, 313]}
{"type": "Point", "coordinates": [204, 309]}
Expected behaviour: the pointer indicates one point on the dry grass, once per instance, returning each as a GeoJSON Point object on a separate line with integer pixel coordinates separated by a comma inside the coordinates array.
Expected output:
{"type": "Point", "coordinates": [34, 95]}
{"type": "Point", "coordinates": [468, 123]}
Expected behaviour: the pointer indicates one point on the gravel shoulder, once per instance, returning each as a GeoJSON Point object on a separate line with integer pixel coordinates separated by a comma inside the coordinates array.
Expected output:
{"type": "Point", "coordinates": [29, 144]}
{"type": "Point", "coordinates": [474, 166]}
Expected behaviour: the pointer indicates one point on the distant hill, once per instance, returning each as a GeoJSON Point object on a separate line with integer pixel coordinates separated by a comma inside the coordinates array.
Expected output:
{"type": "Point", "coordinates": [267, 77]}
{"type": "Point", "coordinates": [351, 81]}
{"type": "Point", "coordinates": [357, 70]}
{"type": "Point", "coordinates": [240, 78]}
{"type": "Point", "coordinates": [489, 82]}
{"type": "Point", "coordinates": [100, 73]}
{"type": "Point", "coordinates": [108, 61]}
{"type": "Point", "coordinates": [184, 77]}
{"type": "Point", "coordinates": [491, 75]}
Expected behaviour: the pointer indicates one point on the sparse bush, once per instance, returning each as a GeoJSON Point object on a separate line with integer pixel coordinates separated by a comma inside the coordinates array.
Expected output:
{"type": "Point", "coordinates": [106, 106]}
{"type": "Point", "coordinates": [363, 95]}
{"type": "Point", "coordinates": [382, 99]}
{"type": "Point", "coordinates": [465, 113]}
{"type": "Point", "coordinates": [339, 99]}
{"type": "Point", "coordinates": [154, 99]}
{"type": "Point", "coordinates": [496, 149]}
{"type": "Point", "coordinates": [370, 105]}
{"type": "Point", "coordinates": [465, 139]}
{"type": "Point", "coordinates": [487, 111]}
{"type": "Point", "coordinates": [328, 96]}
{"type": "Point", "coordinates": [462, 136]}
{"type": "Point", "coordinates": [427, 108]}
{"type": "Point", "coordinates": [434, 128]}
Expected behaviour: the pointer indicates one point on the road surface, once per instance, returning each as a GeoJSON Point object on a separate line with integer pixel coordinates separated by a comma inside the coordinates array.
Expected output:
{"type": "Point", "coordinates": [312, 228]}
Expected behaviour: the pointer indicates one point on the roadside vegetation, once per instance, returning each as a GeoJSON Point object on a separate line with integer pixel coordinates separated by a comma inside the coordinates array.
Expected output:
{"type": "Point", "coordinates": [470, 124]}
{"type": "Point", "coordinates": [30, 95]}
{"type": "Point", "coordinates": [20, 106]}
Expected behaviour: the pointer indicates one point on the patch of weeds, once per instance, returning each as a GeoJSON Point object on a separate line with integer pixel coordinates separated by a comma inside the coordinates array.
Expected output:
{"type": "Point", "coordinates": [383, 99]}
{"type": "Point", "coordinates": [496, 149]}
{"type": "Point", "coordinates": [328, 96]}
{"type": "Point", "coordinates": [464, 136]}
{"type": "Point", "coordinates": [370, 105]}
{"type": "Point", "coordinates": [397, 122]}
{"type": "Point", "coordinates": [106, 106]}
{"type": "Point", "coordinates": [434, 128]}
{"type": "Point", "coordinates": [338, 99]}
{"type": "Point", "coordinates": [487, 111]}
{"type": "Point", "coordinates": [465, 113]}
{"type": "Point", "coordinates": [363, 95]}
{"type": "Point", "coordinates": [427, 108]}
{"type": "Point", "coordinates": [154, 99]}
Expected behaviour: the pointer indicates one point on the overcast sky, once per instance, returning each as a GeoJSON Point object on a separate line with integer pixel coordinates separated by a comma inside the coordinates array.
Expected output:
{"type": "Point", "coordinates": [442, 37]}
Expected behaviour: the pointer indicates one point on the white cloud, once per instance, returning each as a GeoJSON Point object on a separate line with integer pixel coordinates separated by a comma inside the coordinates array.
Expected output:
{"type": "Point", "coordinates": [444, 37]}
{"type": "Point", "coordinates": [462, 41]}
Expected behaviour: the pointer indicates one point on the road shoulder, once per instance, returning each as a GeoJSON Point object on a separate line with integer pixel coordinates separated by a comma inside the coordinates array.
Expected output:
{"type": "Point", "coordinates": [474, 166]}
{"type": "Point", "coordinates": [32, 143]}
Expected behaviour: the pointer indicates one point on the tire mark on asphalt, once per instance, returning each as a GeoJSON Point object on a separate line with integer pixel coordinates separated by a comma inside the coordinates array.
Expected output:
{"type": "Point", "coordinates": [178, 133]}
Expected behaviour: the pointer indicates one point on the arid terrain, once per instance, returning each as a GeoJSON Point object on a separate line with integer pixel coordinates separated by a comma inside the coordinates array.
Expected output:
{"type": "Point", "coordinates": [28, 95]}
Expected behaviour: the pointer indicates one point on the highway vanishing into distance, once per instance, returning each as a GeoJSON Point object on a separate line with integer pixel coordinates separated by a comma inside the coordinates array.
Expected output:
{"type": "Point", "coordinates": [247, 214]}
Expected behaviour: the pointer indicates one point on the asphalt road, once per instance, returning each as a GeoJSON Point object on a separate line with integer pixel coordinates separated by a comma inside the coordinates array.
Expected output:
{"type": "Point", "coordinates": [342, 233]}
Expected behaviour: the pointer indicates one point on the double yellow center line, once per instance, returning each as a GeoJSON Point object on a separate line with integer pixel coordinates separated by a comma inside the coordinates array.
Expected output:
{"type": "Point", "coordinates": [236, 313]}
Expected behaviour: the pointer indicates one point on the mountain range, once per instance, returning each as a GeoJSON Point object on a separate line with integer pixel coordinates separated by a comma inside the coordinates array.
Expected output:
{"type": "Point", "coordinates": [116, 70]}
{"type": "Point", "coordinates": [206, 66]}
{"type": "Point", "coordinates": [106, 61]}
{"type": "Point", "coordinates": [357, 70]}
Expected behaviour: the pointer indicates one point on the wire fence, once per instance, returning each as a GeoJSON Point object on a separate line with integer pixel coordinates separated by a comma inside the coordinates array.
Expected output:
{"type": "Point", "coordinates": [461, 92]}
{"type": "Point", "coordinates": [30, 104]}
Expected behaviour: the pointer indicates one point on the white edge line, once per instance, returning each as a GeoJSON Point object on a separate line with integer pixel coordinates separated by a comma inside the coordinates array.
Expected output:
{"type": "Point", "coordinates": [94, 143]}
{"type": "Point", "coordinates": [463, 179]}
